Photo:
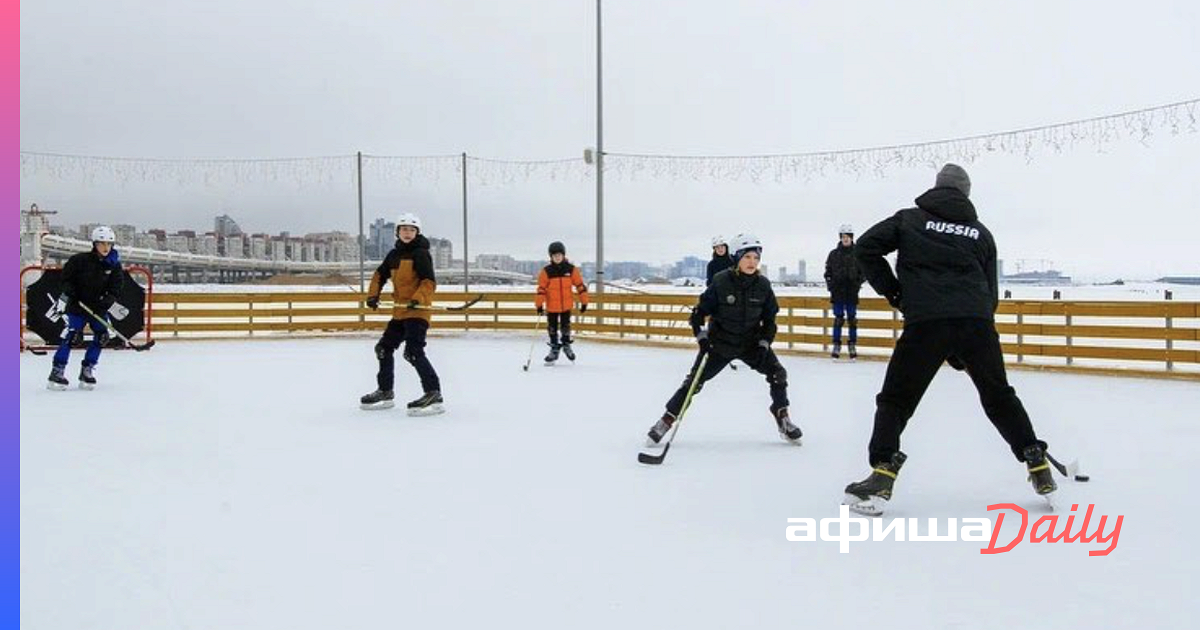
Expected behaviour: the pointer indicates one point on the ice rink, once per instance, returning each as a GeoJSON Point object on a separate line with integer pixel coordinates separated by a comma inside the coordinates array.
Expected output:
{"type": "Point", "coordinates": [236, 484]}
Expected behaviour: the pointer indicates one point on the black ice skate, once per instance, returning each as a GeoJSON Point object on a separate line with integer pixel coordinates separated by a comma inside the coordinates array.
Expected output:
{"type": "Point", "coordinates": [837, 351]}
{"type": "Point", "coordinates": [568, 350]}
{"type": "Point", "coordinates": [660, 428]}
{"type": "Point", "coordinates": [428, 405]}
{"type": "Point", "coordinates": [788, 431]}
{"type": "Point", "coordinates": [852, 352]}
{"type": "Point", "coordinates": [87, 377]}
{"type": "Point", "coordinates": [378, 399]}
{"type": "Point", "coordinates": [553, 356]}
{"type": "Point", "coordinates": [58, 378]}
{"type": "Point", "coordinates": [870, 496]}
{"type": "Point", "coordinates": [1040, 474]}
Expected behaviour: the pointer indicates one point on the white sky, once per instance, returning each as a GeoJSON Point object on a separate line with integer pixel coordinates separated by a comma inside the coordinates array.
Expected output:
{"type": "Point", "coordinates": [515, 80]}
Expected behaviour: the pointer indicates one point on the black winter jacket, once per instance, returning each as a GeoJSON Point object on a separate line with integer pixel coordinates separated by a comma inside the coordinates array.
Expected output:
{"type": "Point", "coordinates": [742, 310]}
{"type": "Point", "coordinates": [946, 260]}
{"type": "Point", "coordinates": [92, 280]}
{"type": "Point", "coordinates": [716, 266]}
{"type": "Point", "coordinates": [842, 277]}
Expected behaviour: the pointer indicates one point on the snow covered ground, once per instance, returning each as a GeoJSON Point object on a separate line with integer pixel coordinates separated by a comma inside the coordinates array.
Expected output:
{"type": "Point", "coordinates": [234, 484]}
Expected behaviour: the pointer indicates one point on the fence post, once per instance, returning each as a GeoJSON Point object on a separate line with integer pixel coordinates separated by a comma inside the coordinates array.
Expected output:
{"type": "Point", "coordinates": [251, 308]}
{"type": "Point", "coordinates": [791, 326]}
{"type": "Point", "coordinates": [175, 318]}
{"type": "Point", "coordinates": [1070, 355]}
{"type": "Point", "coordinates": [824, 329]}
{"type": "Point", "coordinates": [895, 321]}
{"type": "Point", "coordinates": [496, 314]}
{"type": "Point", "coordinates": [622, 320]}
{"type": "Point", "coordinates": [1170, 343]}
{"type": "Point", "coordinates": [1020, 333]}
{"type": "Point", "coordinates": [648, 310]}
{"type": "Point", "coordinates": [289, 308]}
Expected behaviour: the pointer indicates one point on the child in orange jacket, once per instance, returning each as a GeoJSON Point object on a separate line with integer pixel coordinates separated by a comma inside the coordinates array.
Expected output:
{"type": "Point", "coordinates": [555, 299]}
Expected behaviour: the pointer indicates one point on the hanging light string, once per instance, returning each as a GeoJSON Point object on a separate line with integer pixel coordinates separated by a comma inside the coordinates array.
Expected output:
{"type": "Point", "coordinates": [1140, 125]}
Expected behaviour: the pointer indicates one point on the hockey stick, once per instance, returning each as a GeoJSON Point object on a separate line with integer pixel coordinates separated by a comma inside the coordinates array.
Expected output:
{"type": "Point", "coordinates": [536, 325]}
{"type": "Point", "coordinates": [1070, 471]}
{"type": "Point", "coordinates": [36, 351]}
{"type": "Point", "coordinates": [137, 347]}
{"type": "Point", "coordinates": [654, 460]}
{"type": "Point", "coordinates": [461, 307]}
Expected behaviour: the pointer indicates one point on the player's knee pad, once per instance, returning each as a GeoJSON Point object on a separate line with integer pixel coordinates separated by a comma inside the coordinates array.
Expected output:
{"type": "Point", "coordinates": [412, 355]}
{"type": "Point", "coordinates": [382, 351]}
{"type": "Point", "coordinates": [778, 376]}
{"type": "Point", "coordinates": [838, 321]}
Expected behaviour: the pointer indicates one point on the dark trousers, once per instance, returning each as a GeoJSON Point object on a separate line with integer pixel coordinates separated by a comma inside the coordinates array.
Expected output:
{"type": "Point", "coordinates": [556, 322]}
{"type": "Point", "coordinates": [73, 329]}
{"type": "Point", "coordinates": [845, 313]}
{"type": "Point", "coordinates": [411, 333]}
{"type": "Point", "coordinates": [767, 364]}
{"type": "Point", "coordinates": [919, 354]}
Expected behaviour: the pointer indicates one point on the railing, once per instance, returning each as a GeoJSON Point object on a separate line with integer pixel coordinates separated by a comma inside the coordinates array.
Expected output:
{"type": "Point", "coordinates": [1152, 338]}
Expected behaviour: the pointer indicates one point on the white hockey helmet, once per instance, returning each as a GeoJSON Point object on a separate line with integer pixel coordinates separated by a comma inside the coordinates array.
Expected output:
{"type": "Point", "coordinates": [743, 243]}
{"type": "Point", "coordinates": [103, 234]}
{"type": "Point", "coordinates": [408, 219]}
{"type": "Point", "coordinates": [846, 229]}
{"type": "Point", "coordinates": [720, 240]}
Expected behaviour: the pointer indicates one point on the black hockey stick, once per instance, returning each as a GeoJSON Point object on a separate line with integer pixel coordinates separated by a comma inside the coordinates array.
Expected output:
{"type": "Point", "coordinates": [654, 460]}
{"type": "Point", "coordinates": [460, 307]}
{"type": "Point", "coordinates": [1070, 471]}
{"type": "Point", "coordinates": [137, 347]}
{"type": "Point", "coordinates": [37, 351]}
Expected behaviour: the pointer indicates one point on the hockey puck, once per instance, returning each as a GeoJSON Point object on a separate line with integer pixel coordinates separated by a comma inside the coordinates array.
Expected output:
{"type": "Point", "coordinates": [1082, 478]}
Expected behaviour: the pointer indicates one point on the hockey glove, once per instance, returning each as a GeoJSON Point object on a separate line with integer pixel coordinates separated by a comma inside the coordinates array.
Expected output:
{"type": "Point", "coordinates": [541, 311]}
{"type": "Point", "coordinates": [955, 362]}
{"type": "Point", "coordinates": [894, 299]}
{"type": "Point", "coordinates": [702, 340]}
{"type": "Point", "coordinates": [413, 304]}
{"type": "Point", "coordinates": [583, 308]}
{"type": "Point", "coordinates": [373, 302]}
{"type": "Point", "coordinates": [117, 311]}
{"type": "Point", "coordinates": [59, 308]}
{"type": "Point", "coordinates": [764, 349]}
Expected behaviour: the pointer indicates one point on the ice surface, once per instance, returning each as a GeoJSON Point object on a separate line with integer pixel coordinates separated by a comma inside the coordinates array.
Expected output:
{"type": "Point", "coordinates": [236, 484]}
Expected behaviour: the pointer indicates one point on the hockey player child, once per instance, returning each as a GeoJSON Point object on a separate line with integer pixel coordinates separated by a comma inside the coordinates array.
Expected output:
{"type": "Point", "coordinates": [735, 319]}
{"type": "Point", "coordinates": [555, 299]}
{"type": "Point", "coordinates": [93, 279]}
{"type": "Point", "coordinates": [945, 285]}
{"type": "Point", "coordinates": [410, 269]}
{"type": "Point", "coordinates": [843, 280]}
{"type": "Point", "coordinates": [721, 260]}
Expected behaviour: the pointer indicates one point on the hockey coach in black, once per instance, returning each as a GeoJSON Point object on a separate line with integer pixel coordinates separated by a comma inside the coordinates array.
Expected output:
{"type": "Point", "coordinates": [945, 284]}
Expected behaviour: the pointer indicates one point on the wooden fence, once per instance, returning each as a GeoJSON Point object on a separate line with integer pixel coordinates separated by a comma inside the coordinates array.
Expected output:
{"type": "Point", "coordinates": [1158, 338]}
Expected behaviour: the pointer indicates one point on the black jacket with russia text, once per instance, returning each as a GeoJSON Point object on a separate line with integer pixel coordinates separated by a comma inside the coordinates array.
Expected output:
{"type": "Point", "coordinates": [945, 262]}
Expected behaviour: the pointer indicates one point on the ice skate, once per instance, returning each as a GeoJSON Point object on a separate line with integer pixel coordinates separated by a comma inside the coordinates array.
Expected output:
{"type": "Point", "coordinates": [58, 378]}
{"type": "Point", "coordinates": [378, 399]}
{"type": "Point", "coordinates": [788, 431]}
{"type": "Point", "coordinates": [837, 351]}
{"type": "Point", "coordinates": [660, 428]}
{"type": "Point", "coordinates": [428, 405]}
{"type": "Point", "coordinates": [852, 352]}
{"type": "Point", "coordinates": [568, 351]}
{"type": "Point", "coordinates": [1040, 475]}
{"type": "Point", "coordinates": [553, 355]}
{"type": "Point", "coordinates": [87, 377]}
{"type": "Point", "coordinates": [871, 495]}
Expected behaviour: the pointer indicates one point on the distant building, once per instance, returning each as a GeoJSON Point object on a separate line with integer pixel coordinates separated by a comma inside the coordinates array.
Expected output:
{"type": "Point", "coordinates": [802, 271]}
{"type": "Point", "coordinates": [690, 267]}
{"type": "Point", "coordinates": [225, 226]}
{"type": "Point", "coordinates": [442, 251]}
{"type": "Point", "coordinates": [499, 262]}
{"type": "Point", "coordinates": [381, 236]}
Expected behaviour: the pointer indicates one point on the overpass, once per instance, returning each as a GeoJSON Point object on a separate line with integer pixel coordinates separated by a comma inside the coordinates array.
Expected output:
{"type": "Point", "coordinates": [229, 269]}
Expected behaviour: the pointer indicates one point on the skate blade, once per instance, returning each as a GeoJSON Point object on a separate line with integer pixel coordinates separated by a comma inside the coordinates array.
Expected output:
{"type": "Point", "coordinates": [56, 387]}
{"type": "Point", "coordinates": [385, 404]}
{"type": "Point", "coordinates": [796, 442]}
{"type": "Point", "coordinates": [87, 387]}
{"type": "Point", "coordinates": [1051, 500]}
{"type": "Point", "coordinates": [431, 410]}
{"type": "Point", "coordinates": [871, 506]}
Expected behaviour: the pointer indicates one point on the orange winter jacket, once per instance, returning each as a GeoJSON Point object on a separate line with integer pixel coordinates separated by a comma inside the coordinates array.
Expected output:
{"type": "Point", "coordinates": [410, 268]}
{"type": "Point", "coordinates": [554, 287]}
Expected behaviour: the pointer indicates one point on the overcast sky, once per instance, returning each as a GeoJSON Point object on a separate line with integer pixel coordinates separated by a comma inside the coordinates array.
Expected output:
{"type": "Point", "coordinates": [515, 79]}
